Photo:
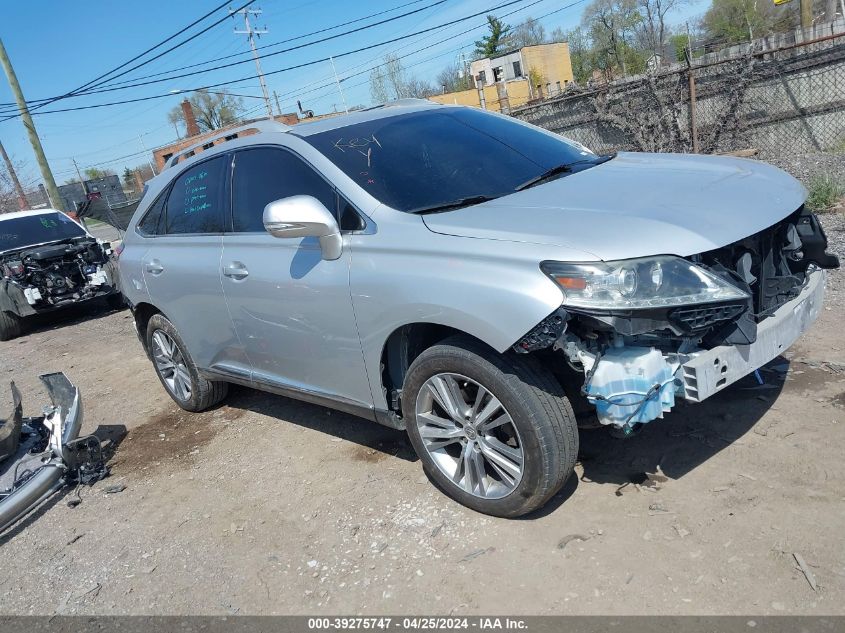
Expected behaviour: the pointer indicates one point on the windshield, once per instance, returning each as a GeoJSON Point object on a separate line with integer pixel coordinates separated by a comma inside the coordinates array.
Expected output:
{"type": "Point", "coordinates": [36, 229]}
{"type": "Point", "coordinates": [434, 157]}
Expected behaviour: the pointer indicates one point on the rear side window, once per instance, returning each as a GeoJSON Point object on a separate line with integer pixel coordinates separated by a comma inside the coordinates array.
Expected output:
{"type": "Point", "coordinates": [152, 222]}
{"type": "Point", "coordinates": [265, 174]}
{"type": "Point", "coordinates": [196, 201]}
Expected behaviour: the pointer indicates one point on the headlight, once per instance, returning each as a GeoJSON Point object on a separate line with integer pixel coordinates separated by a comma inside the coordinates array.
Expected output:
{"type": "Point", "coordinates": [651, 282]}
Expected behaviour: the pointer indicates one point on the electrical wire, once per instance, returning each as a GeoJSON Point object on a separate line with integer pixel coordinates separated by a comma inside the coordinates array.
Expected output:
{"type": "Point", "coordinates": [265, 46]}
{"type": "Point", "coordinates": [296, 66]}
{"type": "Point", "coordinates": [149, 50]}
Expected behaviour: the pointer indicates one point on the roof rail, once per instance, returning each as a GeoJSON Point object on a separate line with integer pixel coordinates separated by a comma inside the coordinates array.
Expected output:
{"type": "Point", "coordinates": [398, 103]}
{"type": "Point", "coordinates": [261, 125]}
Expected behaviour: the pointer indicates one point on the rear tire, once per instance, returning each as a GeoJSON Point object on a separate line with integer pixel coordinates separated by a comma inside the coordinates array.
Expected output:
{"type": "Point", "coordinates": [11, 326]}
{"type": "Point", "coordinates": [538, 439]}
{"type": "Point", "coordinates": [176, 369]}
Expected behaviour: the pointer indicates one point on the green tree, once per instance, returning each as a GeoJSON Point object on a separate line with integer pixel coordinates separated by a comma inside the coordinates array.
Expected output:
{"type": "Point", "coordinates": [212, 110]}
{"type": "Point", "coordinates": [128, 178]}
{"type": "Point", "coordinates": [734, 21]}
{"type": "Point", "coordinates": [494, 41]}
{"type": "Point", "coordinates": [579, 52]}
{"type": "Point", "coordinates": [93, 173]}
{"type": "Point", "coordinates": [612, 25]}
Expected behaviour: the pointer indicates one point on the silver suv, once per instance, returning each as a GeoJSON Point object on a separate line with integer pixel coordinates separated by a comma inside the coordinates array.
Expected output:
{"type": "Point", "coordinates": [469, 278]}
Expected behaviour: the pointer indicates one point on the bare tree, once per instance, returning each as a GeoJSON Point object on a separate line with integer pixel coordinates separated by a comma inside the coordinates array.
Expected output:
{"type": "Point", "coordinates": [390, 81]}
{"type": "Point", "coordinates": [529, 33]}
{"type": "Point", "coordinates": [212, 110]}
{"type": "Point", "coordinates": [654, 22]}
{"type": "Point", "coordinates": [8, 194]}
{"type": "Point", "coordinates": [454, 77]}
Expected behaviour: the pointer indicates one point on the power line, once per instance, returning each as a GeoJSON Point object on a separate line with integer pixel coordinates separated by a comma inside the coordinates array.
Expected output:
{"type": "Point", "coordinates": [108, 84]}
{"type": "Point", "coordinates": [437, 43]}
{"type": "Point", "coordinates": [427, 47]}
{"type": "Point", "coordinates": [295, 48]}
{"type": "Point", "coordinates": [297, 66]}
{"type": "Point", "coordinates": [123, 65]}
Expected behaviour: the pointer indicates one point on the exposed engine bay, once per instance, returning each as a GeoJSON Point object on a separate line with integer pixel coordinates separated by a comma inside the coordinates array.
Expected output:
{"type": "Point", "coordinates": [42, 278]}
{"type": "Point", "coordinates": [635, 362]}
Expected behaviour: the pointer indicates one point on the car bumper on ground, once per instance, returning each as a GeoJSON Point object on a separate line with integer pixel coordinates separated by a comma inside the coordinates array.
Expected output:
{"type": "Point", "coordinates": [708, 372]}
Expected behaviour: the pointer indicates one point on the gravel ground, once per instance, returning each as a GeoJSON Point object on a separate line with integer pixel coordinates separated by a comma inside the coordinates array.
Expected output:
{"type": "Point", "coordinates": [269, 506]}
{"type": "Point", "coordinates": [807, 166]}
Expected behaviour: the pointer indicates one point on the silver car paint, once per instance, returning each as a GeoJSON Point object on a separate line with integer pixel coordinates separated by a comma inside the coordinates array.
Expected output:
{"type": "Point", "coordinates": [638, 205]}
{"type": "Point", "coordinates": [476, 270]}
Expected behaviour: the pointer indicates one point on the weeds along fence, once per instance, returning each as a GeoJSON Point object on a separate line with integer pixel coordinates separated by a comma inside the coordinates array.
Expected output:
{"type": "Point", "coordinates": [785, 100]}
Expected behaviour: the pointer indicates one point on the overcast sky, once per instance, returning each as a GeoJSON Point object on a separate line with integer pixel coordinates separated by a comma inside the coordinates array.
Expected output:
{"type": "Point", "coordinates": [57, 46]}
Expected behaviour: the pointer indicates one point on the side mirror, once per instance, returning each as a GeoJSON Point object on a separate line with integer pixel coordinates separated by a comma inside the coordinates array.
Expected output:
{"type": "Point", "coordinates": [304, 216]}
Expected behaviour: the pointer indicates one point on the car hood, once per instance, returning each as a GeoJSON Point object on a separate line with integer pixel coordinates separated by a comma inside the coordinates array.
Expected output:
{"type": "Point", "coordinates": [637, 205]}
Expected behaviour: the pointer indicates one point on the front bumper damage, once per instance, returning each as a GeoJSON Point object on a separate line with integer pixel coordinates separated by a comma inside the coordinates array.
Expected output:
{"type": "Point", "coordinates": [630, 384]}
{"type": "Point", "coordinates": [42, 454]}
{"type": "Point", "coordinates": [704, 373]}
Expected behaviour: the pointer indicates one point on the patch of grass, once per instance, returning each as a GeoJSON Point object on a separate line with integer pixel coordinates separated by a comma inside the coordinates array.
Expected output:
{"type": "Point", "coordinates": [826, 190]}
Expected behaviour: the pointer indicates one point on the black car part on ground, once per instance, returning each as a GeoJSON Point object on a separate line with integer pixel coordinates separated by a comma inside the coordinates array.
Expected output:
{"type": "Point", "coordinates": [42, 278]}
{"type": "Point", "coordinates": [56, 455]}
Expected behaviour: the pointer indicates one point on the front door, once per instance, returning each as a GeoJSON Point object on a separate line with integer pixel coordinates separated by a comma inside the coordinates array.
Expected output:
{"type": "Point", "coordinates": [291, 309]}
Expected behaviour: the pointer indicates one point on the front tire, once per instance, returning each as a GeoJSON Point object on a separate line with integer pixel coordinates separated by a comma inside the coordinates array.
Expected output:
{"type": "Point", "coordinates": [495, 432]}
{"type": "Point", "coordinates": [176, 369]}
{"type": "Point", "coordinates": [11, 326]}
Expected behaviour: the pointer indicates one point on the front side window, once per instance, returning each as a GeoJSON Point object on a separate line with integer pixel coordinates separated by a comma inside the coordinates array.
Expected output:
{"type": "Point", "coordinates": [265, 174]}
{"type": "Point", "coordinates": [435, 156]}
{"type": "Point", "coordinates": [152, 223]}
{"type": "Point", "coordinates": [196, 202]}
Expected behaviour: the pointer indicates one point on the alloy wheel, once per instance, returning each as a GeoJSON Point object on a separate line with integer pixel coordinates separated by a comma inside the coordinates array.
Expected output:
{"type": "Point", "coordinates": [170, 363]}
{"type": "Point", "coordinates": [469, 435]}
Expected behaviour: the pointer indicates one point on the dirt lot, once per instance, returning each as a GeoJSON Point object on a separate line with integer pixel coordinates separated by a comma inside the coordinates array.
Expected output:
{"type": "Point", "coordinates": [270, 506]}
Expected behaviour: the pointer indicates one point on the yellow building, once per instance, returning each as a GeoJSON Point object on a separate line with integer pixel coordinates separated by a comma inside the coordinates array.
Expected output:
{"type": "Point", "coordinates": [515, 77]}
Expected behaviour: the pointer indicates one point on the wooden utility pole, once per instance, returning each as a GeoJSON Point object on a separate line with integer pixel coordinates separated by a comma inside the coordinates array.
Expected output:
{"type": "Point", "coordinates": [40, 158]}
{"type": "Point", "coordinates": [806, 14]}
{"type": "Point", "coordinates": [22, 203]}
{"type": "Point", "coordinates": [250, 33]}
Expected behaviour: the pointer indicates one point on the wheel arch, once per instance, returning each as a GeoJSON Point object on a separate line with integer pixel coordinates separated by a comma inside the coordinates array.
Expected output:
{"type": "Point", "coordinates": [404, 344]}
{"type": "Point", "coordinates": [142, 313]}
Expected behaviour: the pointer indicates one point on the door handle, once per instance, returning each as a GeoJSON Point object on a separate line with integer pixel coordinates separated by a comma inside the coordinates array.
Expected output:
{"type": "Point", "coordinates": [154, 267]}
{"type": "Point", "coordinates": [235, 270]}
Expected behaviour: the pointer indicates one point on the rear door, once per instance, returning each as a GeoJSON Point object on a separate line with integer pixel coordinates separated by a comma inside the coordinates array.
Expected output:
{"type": "Point", "coordinates": [291, 309]}
{"type": "Point", "coordinates": [181, 266]}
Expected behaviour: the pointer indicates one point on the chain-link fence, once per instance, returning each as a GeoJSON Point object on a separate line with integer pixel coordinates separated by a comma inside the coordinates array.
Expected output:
{"type": "Point", "coordinates": [775, 100]}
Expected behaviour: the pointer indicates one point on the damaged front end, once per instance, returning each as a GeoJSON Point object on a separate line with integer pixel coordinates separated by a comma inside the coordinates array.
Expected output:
{"type": "Point", "coordinates": [40, 279]}
{"type": "Point", "coordinates": [644, 332]}
{"type": "Point", "coordinates": [40, 455]}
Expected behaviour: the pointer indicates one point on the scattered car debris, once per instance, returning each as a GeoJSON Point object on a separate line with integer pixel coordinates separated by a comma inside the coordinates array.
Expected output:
{"type": "Point", "coordinates": [114, 489]}
{"type": "Point", "coordinates": [476, 554]}
{"type": "Point", "coordinates": [52, 454]}
{"type": "Point", "coordinates": [566, 540]}
{"type": "Point", "coordinates": [805, 570]}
